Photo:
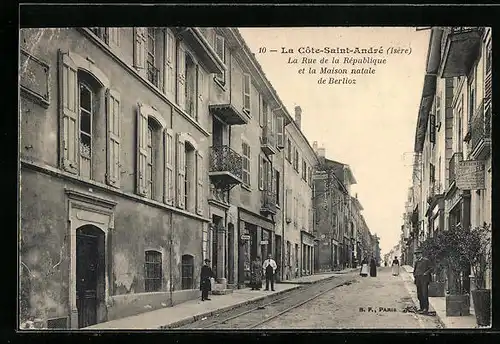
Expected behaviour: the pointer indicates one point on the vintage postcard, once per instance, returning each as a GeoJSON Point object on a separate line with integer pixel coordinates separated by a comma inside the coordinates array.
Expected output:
{"type": "Point", "coordinates": [255, 178]}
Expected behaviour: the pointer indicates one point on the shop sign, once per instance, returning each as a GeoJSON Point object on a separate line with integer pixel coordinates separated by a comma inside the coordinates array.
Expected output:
{"type": "Point", "coordinates": [245, 237]}
{"type": "Point", "coordinates": [470, 175]}
{"type": "Point", "coordinates": [264, 242]}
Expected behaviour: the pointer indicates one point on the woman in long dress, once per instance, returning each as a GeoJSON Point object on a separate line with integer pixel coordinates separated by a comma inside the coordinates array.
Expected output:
{"type": "Point", "coordinates": [395, 267]}
{"type": "Point", "coordinates": [373, 268]}
{"type": "Point", "coordinates": [364, 268]}
{"type": "Point", "coordinates": [256, 274]}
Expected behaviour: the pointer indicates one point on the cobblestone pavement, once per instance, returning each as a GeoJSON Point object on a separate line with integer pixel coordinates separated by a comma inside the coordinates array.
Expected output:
{"type": "Point", "coordinates": [371, 302]}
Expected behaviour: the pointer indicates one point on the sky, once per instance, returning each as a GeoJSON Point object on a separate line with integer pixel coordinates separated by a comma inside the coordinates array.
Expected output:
{"type": "Point", "coordinates": [369, 125]}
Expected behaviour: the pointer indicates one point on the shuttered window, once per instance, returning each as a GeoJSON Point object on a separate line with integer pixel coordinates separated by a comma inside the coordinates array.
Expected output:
{"type": "Point", "coordinates": [140, 47]}
{"type": "Point", "coordinates": [169, 69]}
{"type": "Point", "coordinates": [261, 173]}
{"type": "Point", "coordinates": [69, 114]}
{"type": "Point", "coordinates": [142, 152]}
{"type": "Point", "coordinates": [220, 50]}
{"type": "Point", "coordinates": [181, 172]}
{"type": "Point", "coordinates": [200, 172]}
{"type": "Point", "coordinates": [245, 148]}
{"type": "Point", "coordinates": [246, 92]}
{"type": "Point", "coordinates": [280, 131]}
{"type": "Point", "coordinates": [113, 120]}
{"type": "Point", "coordinates": [432, 128]}
{"type": "Point", "coordinates": [181, 75]}
{"type": "Point", "coordinates": [169, 148]}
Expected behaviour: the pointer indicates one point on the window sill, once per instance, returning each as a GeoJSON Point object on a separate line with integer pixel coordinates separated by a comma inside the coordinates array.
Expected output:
{"type": "Point", "coordinates": [111, 52]}
{"type": "Point", "coordinates": [246, 187]}
{"type": "Point", "coordinates": [221, 84]}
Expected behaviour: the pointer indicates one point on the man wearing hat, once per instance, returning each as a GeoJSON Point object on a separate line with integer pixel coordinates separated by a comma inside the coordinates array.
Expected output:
{"type": "Point", "coordinates": [206, 275]}
{"type": "Point", "coordinates": [422, 275]}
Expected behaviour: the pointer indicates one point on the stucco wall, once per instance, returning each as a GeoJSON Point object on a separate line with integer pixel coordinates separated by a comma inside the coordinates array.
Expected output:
{"type": "Point", "coordinates": [138, 226]}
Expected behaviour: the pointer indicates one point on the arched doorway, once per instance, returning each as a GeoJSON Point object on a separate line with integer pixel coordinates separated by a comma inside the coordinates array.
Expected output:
{"type": "Point", "coordinates": [90, 274]}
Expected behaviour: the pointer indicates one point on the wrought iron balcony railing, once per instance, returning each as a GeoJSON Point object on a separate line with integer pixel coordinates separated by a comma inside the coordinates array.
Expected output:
{"type": "Point", "coordinates": [480, 126]}
{"type": "Point", "coordinates": [268, 201]}
{"type": "Point", "coordinates": [225, 159]}
{"type": "Point", "coordinates": [268, 140]}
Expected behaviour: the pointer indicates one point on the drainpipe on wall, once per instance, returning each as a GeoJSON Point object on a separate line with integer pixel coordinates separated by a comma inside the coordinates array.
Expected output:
{"type": "Point", "coordinates": [170, 220]}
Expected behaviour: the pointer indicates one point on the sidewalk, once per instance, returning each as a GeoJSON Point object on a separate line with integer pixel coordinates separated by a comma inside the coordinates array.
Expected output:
{"type": "Point", "coordinates": [438, 304]}
{"type": "Point", "coordinates": [193, 310]}
{"type": "Point", "coordinates": [310, 279]}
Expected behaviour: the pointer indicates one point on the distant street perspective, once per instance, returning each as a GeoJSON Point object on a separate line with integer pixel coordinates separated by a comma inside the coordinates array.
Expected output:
{"type": "Point", "coordinates": [213, 178]}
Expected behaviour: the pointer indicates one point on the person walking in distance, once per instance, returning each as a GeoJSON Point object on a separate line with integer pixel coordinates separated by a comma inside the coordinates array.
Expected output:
{"type": "Point", "coordinates": [269, 268]}
{"type": "Point", "coordinates": [421, 273]}
{"type": "Point", "coordinates": [205, 283]}
{"type": "Point", "coordinates": [395, 267]}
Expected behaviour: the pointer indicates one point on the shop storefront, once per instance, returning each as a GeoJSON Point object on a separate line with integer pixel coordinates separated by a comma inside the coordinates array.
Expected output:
{"type": "Point", "coordinates": [307, 240]}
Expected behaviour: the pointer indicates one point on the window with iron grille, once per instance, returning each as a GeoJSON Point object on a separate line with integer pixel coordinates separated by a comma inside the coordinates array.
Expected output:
{"type": "Point", "coordinates": [152, 71]}
{"type": "Point", "coordinates": [153, 271]}
{"type": "Point", "coordinates": [187, 273]}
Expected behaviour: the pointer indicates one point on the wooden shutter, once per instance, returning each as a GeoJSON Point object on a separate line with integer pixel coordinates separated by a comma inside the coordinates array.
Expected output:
{"type": "Point", "coordinates": [246, 92]}
{"type": "Point", "coordinates": [432, 128]}
{"type": "Point", "coordinates": [181, 75]}
{"type": "Point", "coordinates": [181, 171]}
{"type": "Point", "coordinates": [269, 186]}
{"type": "Point", "coordinates": [201, 90]}
{"type": "Point", "coordinates": [70, 128]}
{"type": "Point", "coordinates": [219, 50]}
{"type": "Point", "coordinates": [142, 151]}
{"type": "Point", "coordinates": [140, 38]}
{"type": "Point", "coordinates": [168, 192]}
{"type": "Point", "coordinates": [114, 37]}
{"type": "Point", "coordinates": [199, 185]}
{"type": "Point", "coordinates": [113, 139]}
{"type": "Point", "coordinates": [169, 70]}
{"type": "Point", "coordinates": [279, 131]}
{"type": "Point", "coordinates": [261, 173]}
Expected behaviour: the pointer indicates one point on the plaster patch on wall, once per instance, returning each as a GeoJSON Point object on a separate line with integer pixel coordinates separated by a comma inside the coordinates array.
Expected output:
{"type": "Point", "coordinates": [122, 270]}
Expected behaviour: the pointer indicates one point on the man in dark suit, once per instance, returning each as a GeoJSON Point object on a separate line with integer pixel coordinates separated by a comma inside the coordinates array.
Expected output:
{"type": "Point", "coordinates": [422, 275]}
{"type": "Point", "coordinates": [205, 283]}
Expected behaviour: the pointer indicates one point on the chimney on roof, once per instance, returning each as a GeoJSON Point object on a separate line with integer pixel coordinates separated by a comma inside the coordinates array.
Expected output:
{"type": "Point", "coordinates": [298, 115]}
{"type": "Point", "coordinates": [321, 152]}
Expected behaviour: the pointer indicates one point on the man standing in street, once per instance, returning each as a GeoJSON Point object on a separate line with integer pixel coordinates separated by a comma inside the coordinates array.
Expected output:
{"type": "Point", "coordinates": [205, 280]}
{"type": "Point", "coordinates": [269, 268]}
{"type": "Point", "coordinates": [422, 275]}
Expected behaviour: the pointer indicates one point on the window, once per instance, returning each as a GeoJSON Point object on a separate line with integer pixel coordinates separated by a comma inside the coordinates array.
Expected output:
{"type": "Point", "coordinates": [170, 59]}
{"type": "Point", "coordinates": [149, 146]}
{"type": "Point", "coordinates": [262, 162]}
{"type": "Point", "coordinates": [190, 86]}
{"type": "Point", "coordinates": [153, 72]}
{"type": "Point", "coordinates": [169, 166]}
{"type": "Point", "coordinates": [220, 50]}
{"type": "Point", "coordinates": [472, 95]}
{"type": "Point", "coordinates": [187, 272]}
{"type": "Point", "coordinates": [279, 131]}
{"type": "Point", "coordinates": [109, 35]}
{"type": "Point", "coordinates": [246, 92]}
{"type": "Point", "coordinates": [296, 160]}
{"type": "Point", "coordinates": [83, 96]}
{"type": "Point", "coordinates": [289, 151]}
{"type": "Point", "coordinates": [245, 147]}
{"type": "Point", "coordinates": [150, 162]}
{"type": "Point", "coordinates": [432, 128]}
{"type": "Point", "coordinates": [263, 113]}
{"type": "Point", "coordinates": [277, 180]}
{"type": "Point", "coordinates": [153, 271]}
{"type": "Point", "coordinates": [304, 170]}
{"type": "Point", "coordinates": [140, 48]}
{"type": "Point", "coordinates": [86, 114]}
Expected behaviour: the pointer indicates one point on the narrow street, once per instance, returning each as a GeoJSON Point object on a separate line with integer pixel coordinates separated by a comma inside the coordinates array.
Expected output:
{"type": "Point", "coordinates": [370, 302]}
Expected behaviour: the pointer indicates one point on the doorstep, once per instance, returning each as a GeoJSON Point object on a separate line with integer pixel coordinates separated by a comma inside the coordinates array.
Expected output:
{"type": "Point", "coordinates": [438, 304]}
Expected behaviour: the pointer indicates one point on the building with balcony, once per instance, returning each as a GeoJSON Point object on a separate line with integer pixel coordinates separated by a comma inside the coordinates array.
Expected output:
{"type": "Point", "coordinates": [115, 131]}
{"type": "Point", "coordinates": [454, 130]}
{"type": "Point", "coordinates": [299, 161]}
{"type": "Point", "coordinates": [247, 132]}
{"type": "Point", "coordinates": [337, 215]}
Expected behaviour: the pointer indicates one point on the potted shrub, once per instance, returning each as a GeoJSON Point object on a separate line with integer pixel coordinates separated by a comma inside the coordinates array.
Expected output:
{"type": "Point", "coordinates": [432, 248]}
{"type": "Point", "coordinates": [456, 261]}
{"type": "Point", "coordinates": [477, 247]}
